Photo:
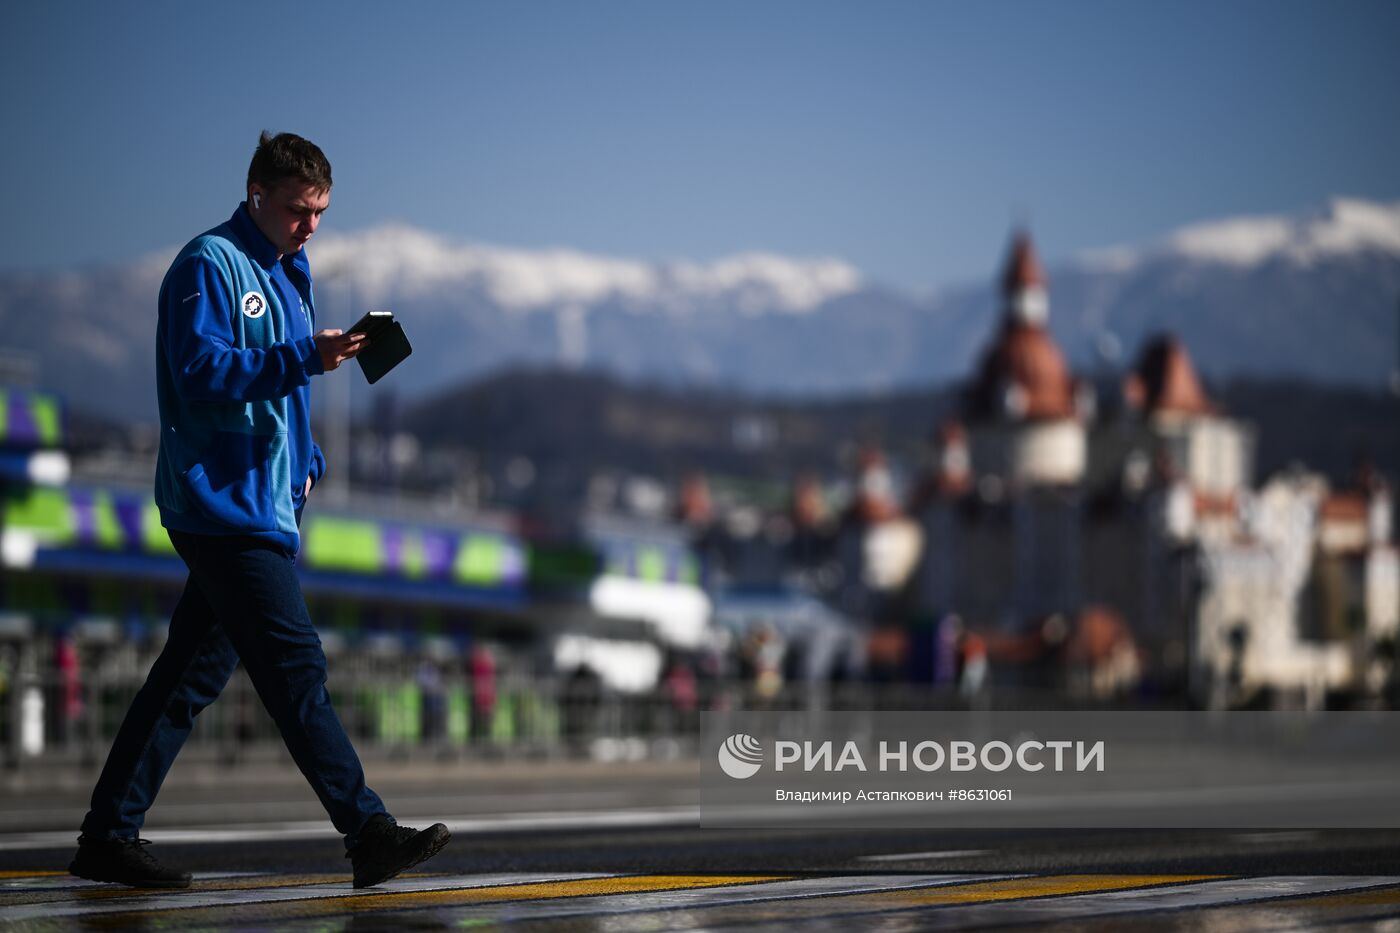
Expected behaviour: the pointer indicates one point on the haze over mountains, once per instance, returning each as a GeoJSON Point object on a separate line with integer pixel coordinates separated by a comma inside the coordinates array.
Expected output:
{"type": "Point", "coordinates": [1313, 296]}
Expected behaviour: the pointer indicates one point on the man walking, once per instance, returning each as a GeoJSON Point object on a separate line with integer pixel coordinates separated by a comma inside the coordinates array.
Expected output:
{"type": "Point", "coordinates": [235, 354]}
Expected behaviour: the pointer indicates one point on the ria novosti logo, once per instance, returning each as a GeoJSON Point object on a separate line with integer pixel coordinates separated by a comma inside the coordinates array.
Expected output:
{"type": "Point", "coordinates": [741, 756]}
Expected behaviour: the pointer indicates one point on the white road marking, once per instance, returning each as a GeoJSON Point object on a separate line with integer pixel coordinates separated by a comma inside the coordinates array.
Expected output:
{"type": "Point", "coordinates": [812, 892]}
{"type": "Point", "coordinates": [696, 898]}
{"type": "Point", "coordinates": [69, 882]}
{"type": "Point", "coordinates": [175, 900]}
{"type": "Point", "coordinates": [1191, 895]}
{"type": "Point", "coordinates": [321, 829]}
{"type": "Point", "coordinates": [920, 856]}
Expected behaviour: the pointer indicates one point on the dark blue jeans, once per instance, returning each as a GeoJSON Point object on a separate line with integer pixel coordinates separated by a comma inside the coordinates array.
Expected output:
{"type": "Point", "coordinates": [242, 600]}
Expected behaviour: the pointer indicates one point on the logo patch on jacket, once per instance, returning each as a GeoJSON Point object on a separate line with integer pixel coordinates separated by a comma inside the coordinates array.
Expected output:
{"type": "Point", "coordinates": [254, 305]}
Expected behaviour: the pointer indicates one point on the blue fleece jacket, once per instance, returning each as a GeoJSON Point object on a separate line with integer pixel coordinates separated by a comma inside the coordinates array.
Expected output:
{"type": "Point", "coordinates": [234, 361]}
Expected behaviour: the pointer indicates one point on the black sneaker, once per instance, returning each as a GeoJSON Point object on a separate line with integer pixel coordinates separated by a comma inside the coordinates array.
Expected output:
{"type": "Point", "coordinates": [124, 861]}
{"type": "Point", "coordinates": [386, 848]}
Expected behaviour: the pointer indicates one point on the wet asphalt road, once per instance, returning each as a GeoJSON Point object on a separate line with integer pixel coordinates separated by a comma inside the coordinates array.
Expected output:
{"type": "Point", "coordinates": [581, 847]}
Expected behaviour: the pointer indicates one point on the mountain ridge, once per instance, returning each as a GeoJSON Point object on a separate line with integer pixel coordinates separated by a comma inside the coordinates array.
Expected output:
{"type": "Point", "coordinates": [1311, 296]}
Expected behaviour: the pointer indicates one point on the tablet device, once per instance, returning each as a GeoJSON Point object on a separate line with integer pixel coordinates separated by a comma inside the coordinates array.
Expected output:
{"type": "Point", "coordinates": [388, 345]}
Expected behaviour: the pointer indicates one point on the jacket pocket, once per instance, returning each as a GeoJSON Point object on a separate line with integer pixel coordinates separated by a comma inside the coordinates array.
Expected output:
{"type": "Point", "coordinates": [231, 484]}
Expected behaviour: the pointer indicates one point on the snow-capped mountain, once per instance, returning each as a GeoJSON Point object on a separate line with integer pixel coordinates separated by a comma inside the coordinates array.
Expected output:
{"type": "Point", "coordinates": [1342, 227]}
{"type": "Point", "coordinates": [1313, 296]}
{"type": "Point", "coordinates": [396, 262]}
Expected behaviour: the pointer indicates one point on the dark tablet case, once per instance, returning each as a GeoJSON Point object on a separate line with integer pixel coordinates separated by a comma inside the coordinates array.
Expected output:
{"type": "Point", "coordinates": [388, 346]}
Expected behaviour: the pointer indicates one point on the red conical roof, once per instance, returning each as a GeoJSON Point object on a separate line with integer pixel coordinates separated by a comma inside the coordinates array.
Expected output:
{"type": "Point", "coordinates": [1023, 359]}
{"type": "Point", "coordinates": [1165, 381]}
{"type": "Point", "coordinates": [1023, 269]}
{"type": "Point", "coordinates": [1023, 375]}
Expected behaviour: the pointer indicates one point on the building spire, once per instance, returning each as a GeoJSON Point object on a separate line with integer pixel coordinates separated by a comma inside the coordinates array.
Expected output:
{"type": "Point", "coordinates": [1023, 284]}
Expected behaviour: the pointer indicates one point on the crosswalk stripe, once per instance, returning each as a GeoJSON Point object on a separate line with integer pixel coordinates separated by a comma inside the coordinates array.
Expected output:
{"type": "Point", "coordinates": [1237, 889]}
{"type": "Point", "coordinates": [815, 894]}
{"type": "Point", "coordinates": [1047, 886]}
{"type": "Point", "coordinates": [617, 894]}
{"type": "Point", "coordinates": [146, 901]}
{"type": "Point", "coordinates": [444, 893]}
{"type": "Point", "coordinates": [536, 893]}
{"type": "Point", "coordinates": [941, 901]}
{"type": "Point", "coordinates": [1374, 897]}
{"type": "Point", "coordinates": [1044, 908]}
{"type": "Point", "coordinates": [62, 881]}
{"type": "Point", "coordinates": [96, 890]}
{"type": "Point", "coordinates": [813, 890]}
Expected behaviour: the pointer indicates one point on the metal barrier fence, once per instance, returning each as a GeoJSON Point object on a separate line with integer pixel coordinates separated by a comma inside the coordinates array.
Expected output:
{"type": "Point", "coordinates": [47, 717]}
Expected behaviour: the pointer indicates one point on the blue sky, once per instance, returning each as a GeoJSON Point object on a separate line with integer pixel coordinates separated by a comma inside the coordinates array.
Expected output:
{"type": "Point", "coordinates": [906, 137]}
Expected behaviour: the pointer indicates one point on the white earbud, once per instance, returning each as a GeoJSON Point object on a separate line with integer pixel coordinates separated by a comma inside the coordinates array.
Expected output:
{"type": "Point", "coordinates": [257, 201]}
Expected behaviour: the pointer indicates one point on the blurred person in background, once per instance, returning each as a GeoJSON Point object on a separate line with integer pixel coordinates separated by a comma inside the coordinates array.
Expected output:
{"type": "Point", "coordinates": [68, 705]}
{"type": "Point", "coordinates": [583, 695]}
{"type": "Point", "coordinates": [761, 657]}
{"type": "Point", "coordinates": [681, 690]}
{"type": "Point", "coordinates": [481, 664]}
{"type": "Point", "coordinates": [433, 713]}
{"type": "Point", "coordinates": [235, 355]}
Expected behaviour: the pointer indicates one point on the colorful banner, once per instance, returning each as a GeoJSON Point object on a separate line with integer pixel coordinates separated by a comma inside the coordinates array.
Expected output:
{"type": "Point", "coordinates": [106, 520]}
{"type": "Point", "coordinates": [30, 419]}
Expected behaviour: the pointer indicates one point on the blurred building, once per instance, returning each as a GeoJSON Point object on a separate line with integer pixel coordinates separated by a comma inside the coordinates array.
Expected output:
{"type": "Point", "coordinates": [1058, 503]}
{"type": "Point", "coordinates": [1026, 414]}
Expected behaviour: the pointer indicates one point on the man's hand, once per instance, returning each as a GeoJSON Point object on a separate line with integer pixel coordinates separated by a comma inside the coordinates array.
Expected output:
{"type": "Point", "coordinates": [336, 346]}
{"type": "Point", "coordinates": [307, 491]}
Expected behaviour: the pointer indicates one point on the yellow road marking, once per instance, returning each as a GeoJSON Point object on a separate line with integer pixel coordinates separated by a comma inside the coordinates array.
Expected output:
{"type": "Point", "coordinates": [113, 892]}
{"type": "Point", "coordinates": [1374, 897]}
{"type": "Point", "coordinates": [548, 890]}
{"type": "Point", "coordinates": [31, 874]}
{"type": "Point", "coordinates": [954, 895]}
{"type": "Point", "coordinates": [982, 892]}
{"type": "Point", "coordinates": [457, 897]}
{"type": "Point", "coordinates": [974, 892]}
{"type": "Point", "coordinates": [218, 884]}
